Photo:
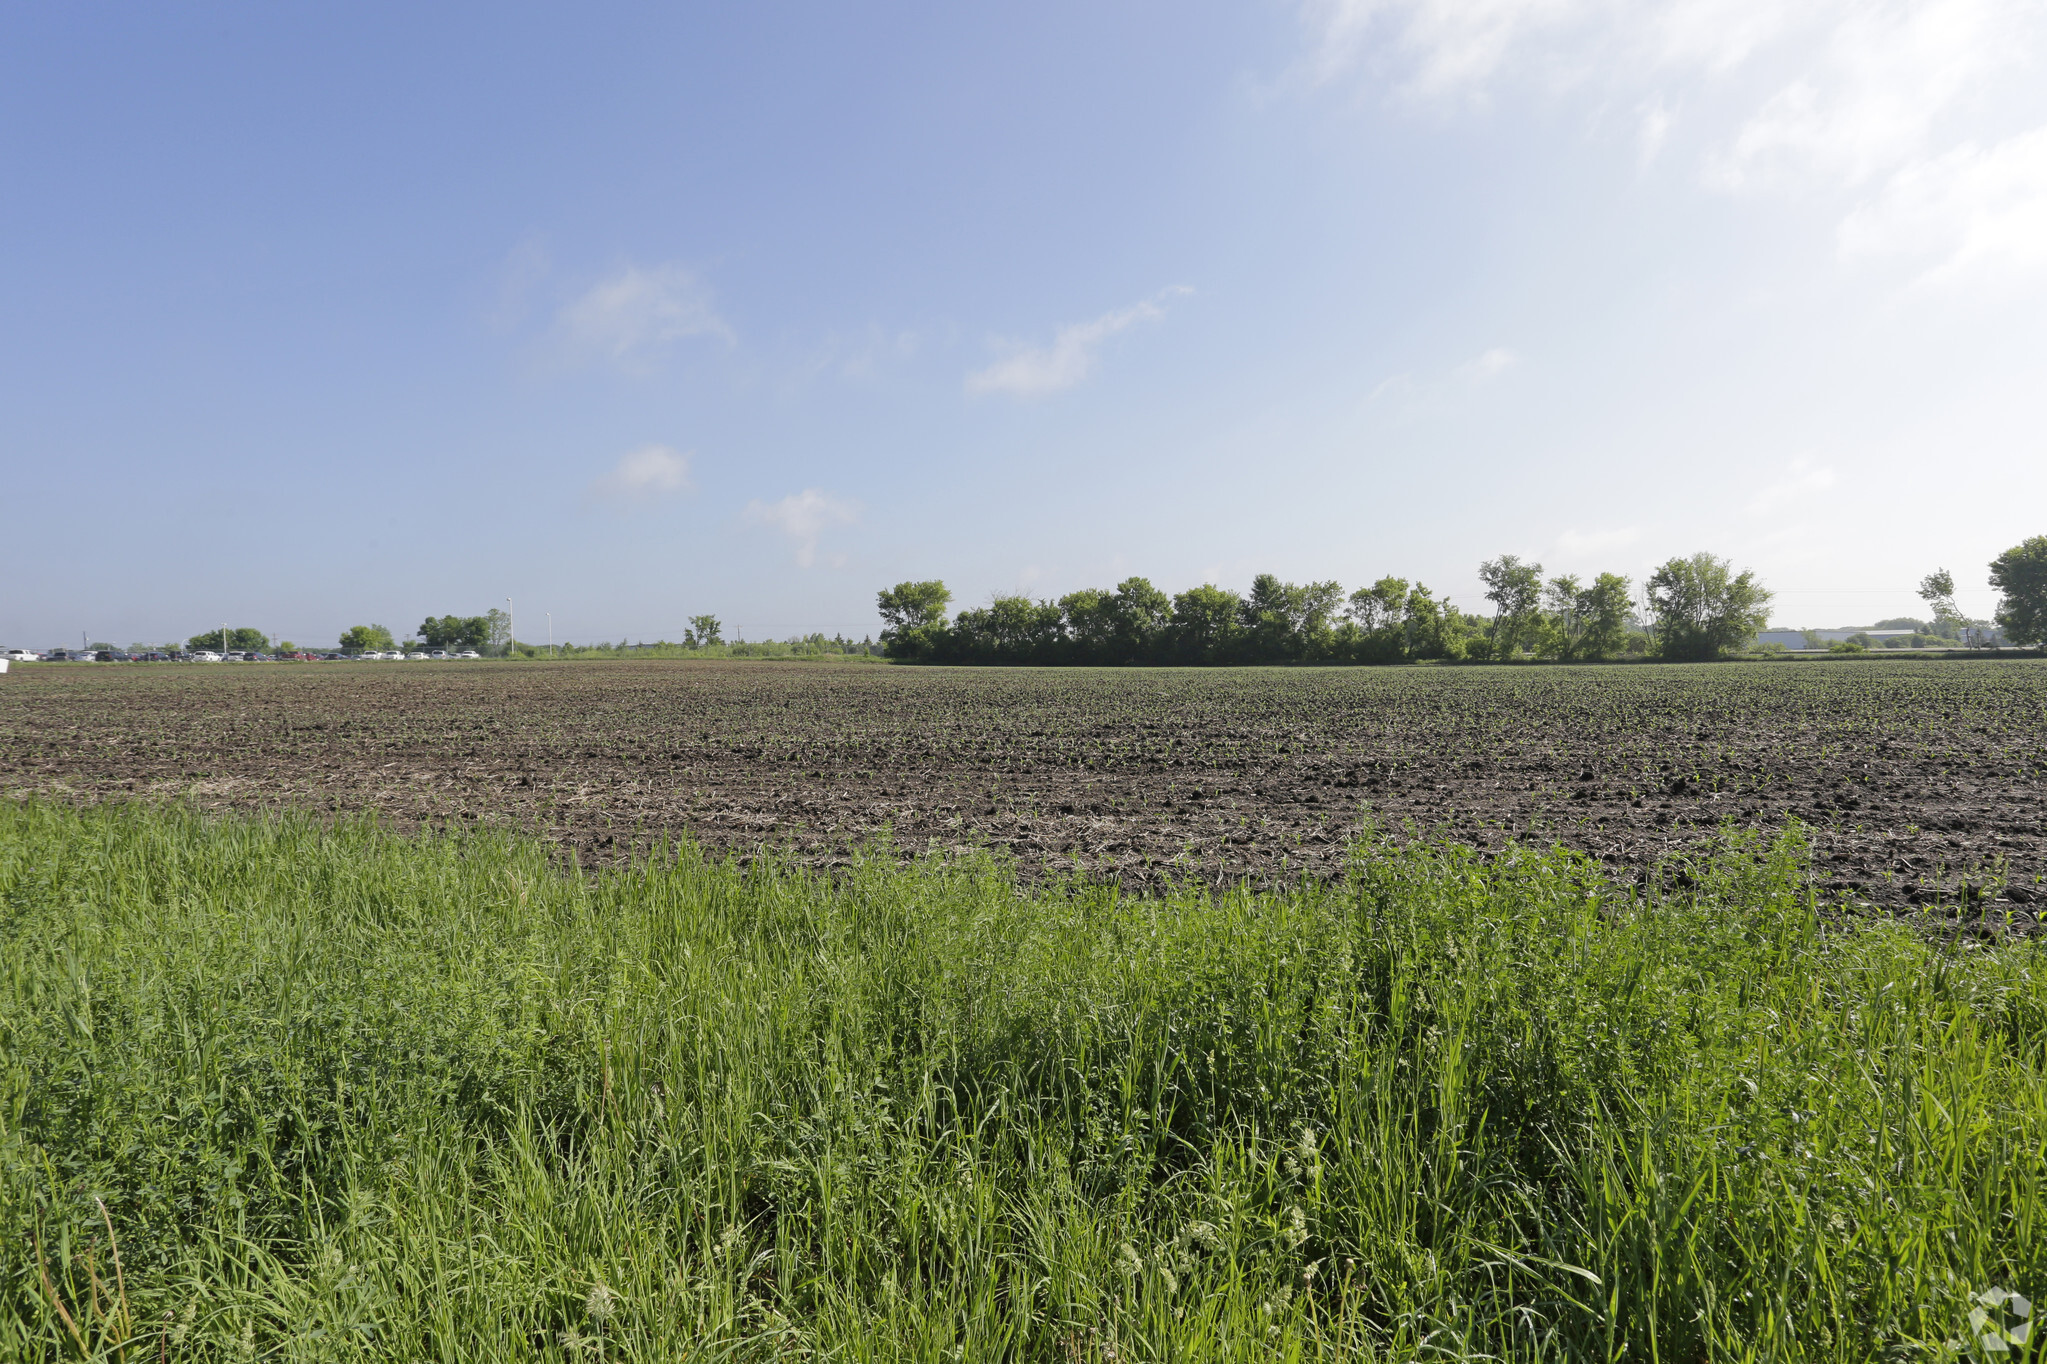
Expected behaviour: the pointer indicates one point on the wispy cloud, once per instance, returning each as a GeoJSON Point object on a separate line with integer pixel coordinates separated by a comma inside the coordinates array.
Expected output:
{"type": "Point", "coordinates": [1490, 365]}
{"type": "Point", "coordinates": [643, 475]}
{"type": "Point", "coordinates": [1651, 130]}
{"type": "Point", "coordinates": [804, 518]}
{"type": "Point", "coordinates": [1801, 483]}
{"type": "Point", "coordinates": [1870, 92]}
{"type": "Point", "coordinates": [1399, 385]}
{"type": "Point", "coordinates": [1885, 104]}
{"type": "Point", "coordinates": [1442, 48]}
{"type": "Point", "coordinates": [1414, 393]}
{"type": "Point", "coordinates": [1973, 212]}
{"type": "Point", "coordinates": [1028, 371]}
{"type": "Point", "coordinates": [630, 315]}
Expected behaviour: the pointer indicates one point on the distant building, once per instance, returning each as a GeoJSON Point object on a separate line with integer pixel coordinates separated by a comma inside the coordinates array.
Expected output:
{"type": "Point", "coordinates": [1973, 636]}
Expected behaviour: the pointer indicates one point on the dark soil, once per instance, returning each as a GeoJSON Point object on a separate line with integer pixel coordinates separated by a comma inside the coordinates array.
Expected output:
{"type": "Point", "coordinates": [1922, 782]}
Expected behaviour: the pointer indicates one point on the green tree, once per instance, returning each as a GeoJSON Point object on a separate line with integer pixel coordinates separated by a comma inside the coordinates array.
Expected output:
{"type": "Point", "coordinates": [2020, 574]}
{"type": "Point", "coordinates": [1205, 626]}
{"type": "Point", "coordinates": [1380, 606]}
{"type": "Point", "coordinates": [1561, 624]}
{"type": "Point", "coordinates": [1008, 630]}
{"type": "Point", "coordinates": [1375, 630]}
{"type": "Point", "coordinates": [1937, 590]}
{"type": "Point", "coordinates": [1143, 614]}
{"type": "Point", "coordinates": [1434, 629]}
{"type": "Point", "coordinates": [1602, 611]}
{"type": "Point", "coordinates": [1704, 609]}
{"type": "Point", "coordinates": [704, 631]}
{"type": "Point", "coordinates": [1287, 621]}
{"type": "Point", "coordinates": [1091, 625]}
{"type": "Point", "coordinates": [246, 638]}
{"type": "Point", "coordinates": [1515, 590]}
{"type": "Point", "coordinates": [363, 639]}
{"type": "Point", "coordinates": [1125, 626]}
{"type": "Point", "coordinates": [455, 632]}
{"type": "Point", "coordinates": [498, 638]}
{"type": "Point", "coordinates": [913, 617]}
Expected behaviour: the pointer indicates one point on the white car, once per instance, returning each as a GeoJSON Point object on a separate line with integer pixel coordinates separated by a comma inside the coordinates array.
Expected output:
{"type": "Point", "coordinates": [413, 656]}
{"type": "Point", "coordinates": [469, 653]}
{"type": "Point", "coordinates": [206, 656]}
{"type": "Point", "coordinates": [23, 656]}
{"type": "Point", "coordinates": [440, 653]}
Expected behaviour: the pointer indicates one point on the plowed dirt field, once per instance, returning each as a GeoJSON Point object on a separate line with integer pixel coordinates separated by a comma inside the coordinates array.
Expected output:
{"type": "Point", "coordinates": [1923, 781]}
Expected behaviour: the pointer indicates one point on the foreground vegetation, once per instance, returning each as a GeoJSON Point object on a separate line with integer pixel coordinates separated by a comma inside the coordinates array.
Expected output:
{"type": "Point", "coordinates": [340, 1095]}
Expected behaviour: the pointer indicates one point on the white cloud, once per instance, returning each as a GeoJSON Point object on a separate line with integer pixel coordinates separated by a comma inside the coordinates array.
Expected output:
{"type": "Point", "coordinates": [855, 357]}
{"type": "Point", "coordinates": [1399, 385]}
{"type": "Point", "coordinates": [1578, 544]}
{"type": "Point", "coordinates": [1028, 371]}
{"type": "Point", "coordinates": [1889, 105]}
{"type": "Point", "coordinates": [643, 475]}
{"type": "Point", "coordinates": [804, 517]}
{"type": "Point", "coordinates": [1651, 130]}
{"type": "Point", "coordinates": [1448, 47]}
{"type": "Point", "coordinates": [1801, 483]}
{"type": "Point", "coordinates": [1973, 211]}
{"type": "Point", "coordinates": [633, 313]}
{"type": "Point", "coordinates": [1492, 364]}
{"type": "Point", "coordinates": [1409, 394]}
{"type": "Point", "coordinates": [1868, 100]}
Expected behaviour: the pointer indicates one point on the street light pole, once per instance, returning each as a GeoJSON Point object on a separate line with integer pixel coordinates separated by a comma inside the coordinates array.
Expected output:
{"type": "Point", "coordinates": [511, 631]}
{"type": "Point", "coordinates": [550, 632]}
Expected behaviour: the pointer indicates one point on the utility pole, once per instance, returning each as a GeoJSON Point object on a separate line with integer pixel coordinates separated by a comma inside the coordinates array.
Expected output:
{"type": "Point", "coordinates": [223, 637]}
{"type": "Point", "coordinates": [511, 631]}
{"type": "Point", "coordinates": [550, 632]}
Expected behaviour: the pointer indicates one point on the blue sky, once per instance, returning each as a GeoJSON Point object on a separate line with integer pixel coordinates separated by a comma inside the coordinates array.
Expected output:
{"type": "Point", "coordinates": [311, 317]}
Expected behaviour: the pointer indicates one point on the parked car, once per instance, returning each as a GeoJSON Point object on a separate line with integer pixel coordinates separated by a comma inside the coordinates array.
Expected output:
{"type": "Point", "coordinates": [23, 656]}
{"type": "Point", "coordinates": [414, 656]}
{"type": "Point", "coordinates": [206, 656]}
{"type": "Point", "coordinates": [469, 653]}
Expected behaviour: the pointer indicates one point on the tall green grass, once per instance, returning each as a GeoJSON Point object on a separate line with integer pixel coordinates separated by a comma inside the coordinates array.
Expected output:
{"type": "Point", "coordinates": [350, 1096]}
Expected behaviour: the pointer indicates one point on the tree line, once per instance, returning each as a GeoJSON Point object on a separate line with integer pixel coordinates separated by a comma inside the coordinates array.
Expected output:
{"type": "Point", "coordinates": [1691, 608]}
